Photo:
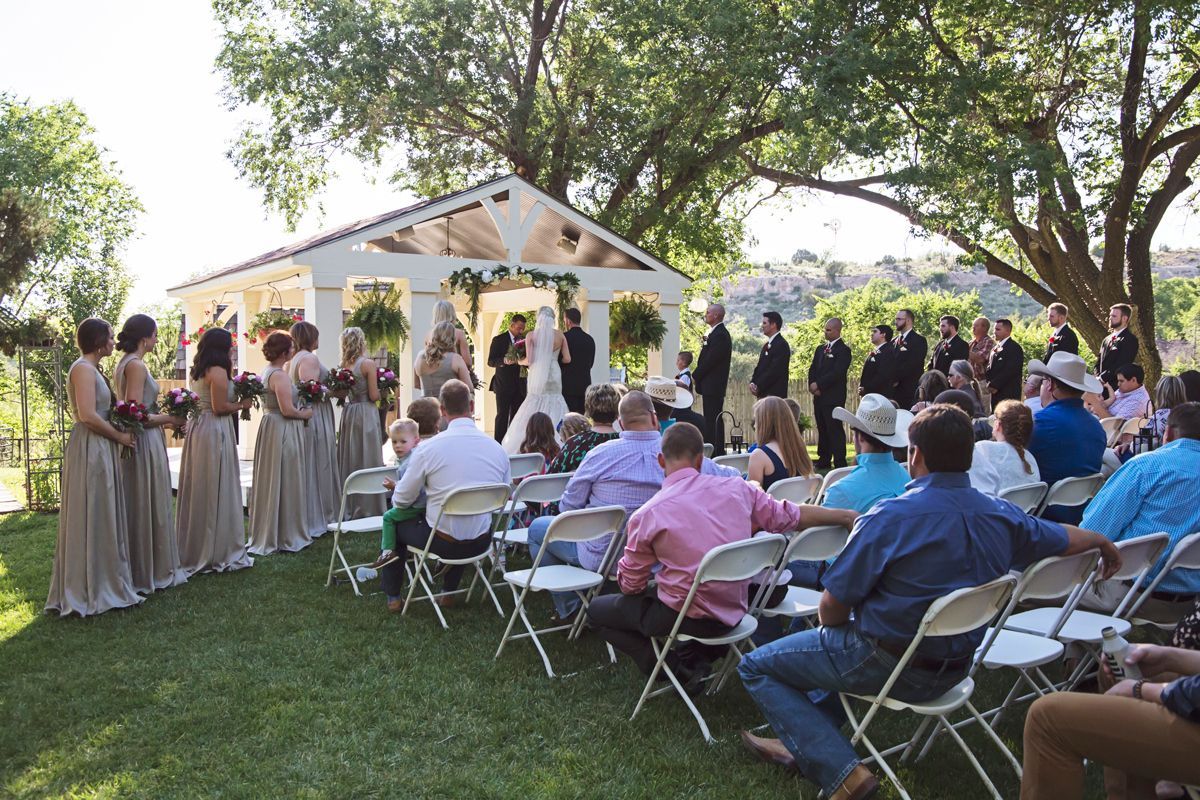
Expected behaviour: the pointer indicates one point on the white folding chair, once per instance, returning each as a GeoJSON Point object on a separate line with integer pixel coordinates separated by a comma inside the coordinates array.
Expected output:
{"type": "Point", "coordinates": [1112, 429]}
{"type": "Point", "coordinates": [1072, 492]}
{"type": "Point", "coordinates": [831, 477]}
{"type": "Point", "coordinates": [1027, 496]}
{"type": "Point", "coordinates": [471, 501]}
{"type": "Point", "coordinates": [524, 464]}
{"type": "Point", "coordinates": [736, 561]}
{"type": "Point", "coordinates": [811, 544]}
{"type": "Point", "coordinates": [739, 461]}
{"type": "Point", "coordinates": [796, 490]}
{"type": "Point", "coordinates": [959, 612]}
{"type": "Point", "coordinates": [1185, 555]}
{"type": "Point", "coordinates": [580, 525]}
{"type": "Point", "coordinates": [363, 481]}
{"type": "Point", "coordinates": [534, 489]}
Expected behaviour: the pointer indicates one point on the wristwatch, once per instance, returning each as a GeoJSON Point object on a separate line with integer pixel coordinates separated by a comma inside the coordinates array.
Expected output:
{"type": "Point", "coordinates": [1137, 689]}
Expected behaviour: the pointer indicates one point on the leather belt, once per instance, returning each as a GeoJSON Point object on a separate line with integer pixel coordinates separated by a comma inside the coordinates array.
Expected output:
{"type": "Point", "coordinates": [445, 537]}
{"type": "Point", "coordinates": [1171, 597]}
{"type": "Point", "coordinates": [919, 661]}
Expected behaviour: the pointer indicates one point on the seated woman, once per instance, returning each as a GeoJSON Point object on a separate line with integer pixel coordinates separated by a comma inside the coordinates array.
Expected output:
{"type": "Point", "coordinates": [781, 452]}
{"type": "Point", "coordinates": [1006, 456]}
{"type": "Point", "coordinates": [962, 377]}
{"type": "Point", "coordinates": [930, 385]}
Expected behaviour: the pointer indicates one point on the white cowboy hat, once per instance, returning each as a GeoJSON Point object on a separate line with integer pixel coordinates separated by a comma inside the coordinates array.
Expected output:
{"type": "Point", "coordinates": [1067, 368]}
{"type": "Point", "coordinates": [663, 390]}
{"type": "Point", "coordinates": [879, 419]}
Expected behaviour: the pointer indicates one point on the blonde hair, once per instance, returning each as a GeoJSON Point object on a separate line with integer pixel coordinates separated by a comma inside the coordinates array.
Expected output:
{"type": "Point", "coordinates": [1016, 423]}
{"type": "Point", "coordinates": [774, 422]}
{"type": "Point", "coordinates": [404, 424]}
{"type": "Point", "coordinates": [572, 424]}
{"type": "Point", "coordinates": [354, 345]}
{"type": "Point", "coordinates": [441, 342]}
{"type": "Point", "coordinates": [443, 311]}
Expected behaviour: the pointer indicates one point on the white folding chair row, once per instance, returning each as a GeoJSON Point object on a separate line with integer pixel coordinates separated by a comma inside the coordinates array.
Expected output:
{"type": "Point", "coordinates": [524, 464]}
{"type": "Point", "coordinates": [819, 543]}
{"type": "Point", "coordinates": [534, 489]}
{"type": "Point", "coordinates": [959, 612]}
{"type": "Point", "coordinates": [736, 561]}
{"type": "Point", "coordinates": [1185, 555]}
{"type": "Point", "coordinates": [469, 501]}
{"type": "Point", "coordinates": [1027, 497]}
{"type": "Point", "coordinates": [796, 490]}
{"type": "Point", "coordinates": [1072, 492]}
{"type": "Point", "coordinates": [581, 525]}
{"type": "Point", "coordinates": [363, 481]}
{"type": "Point", "coordinates": [831, 477]}
{"type": "Point", "coordinates": [739, 461]}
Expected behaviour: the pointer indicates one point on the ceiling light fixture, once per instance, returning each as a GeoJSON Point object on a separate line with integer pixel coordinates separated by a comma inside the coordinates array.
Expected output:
{"type": "Point", "coordinates": [567, 244]}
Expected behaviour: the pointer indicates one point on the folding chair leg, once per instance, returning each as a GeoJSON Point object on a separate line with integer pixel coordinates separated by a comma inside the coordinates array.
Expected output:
{"type": "Point", "coordinates": [661, 664]}
{"type": "Point", "coordinates": [876, 756]}
{"type": "Point", "coordinates": [1016, 765]}
{"type": "Point", "coordinates": [488, 588]}
{"type": "Point", "coordinates": [971, 756]}
{"type": "Point", "coordinates": [925, 723]}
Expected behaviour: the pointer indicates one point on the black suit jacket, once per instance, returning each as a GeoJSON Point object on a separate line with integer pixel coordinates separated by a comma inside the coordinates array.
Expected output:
{"type": "Point", "coordinates": [1117, 350]}
{"type": "Point", "coordinates": [1005, 370]}
{"type": "Point", "coordinates": [1065, 342]}
{"type": "Point", "coordinates": [712, 365]}
{"type": "Point", "coordinates": [771, 373]}
{"type": "Point", "coordinates": [507, 377]}
{"type": "Point", "coordinates": [947, 351]}
{"type": "Point", "coordinates": [828, 372]}
{"type": "Point", "coordinates": [879, 372]}
{"type": "Point", "coordinates": [577, 376]}
{"type": "Point", "coordinates": [910, 363]}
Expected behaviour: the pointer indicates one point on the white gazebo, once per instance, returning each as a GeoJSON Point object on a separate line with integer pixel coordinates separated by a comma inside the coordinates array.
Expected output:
{"type": "Point", "coordinates": [506, 221]}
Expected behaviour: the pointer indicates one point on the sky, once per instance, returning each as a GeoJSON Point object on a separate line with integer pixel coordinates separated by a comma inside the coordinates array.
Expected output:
{"type": "Point", "coordinates": [143, 73]}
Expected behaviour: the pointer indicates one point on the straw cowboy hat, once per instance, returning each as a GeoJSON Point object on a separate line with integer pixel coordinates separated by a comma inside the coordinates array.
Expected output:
{"type": "Point", "coordinates": [1069, 369]}
{"type": "Point", "coordinates": [879, 419]}
{"type": "Point", "coordinates": [663, 390]}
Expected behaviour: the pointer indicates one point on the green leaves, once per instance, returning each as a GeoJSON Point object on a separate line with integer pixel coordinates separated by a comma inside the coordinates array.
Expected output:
{"type": "Point", "coordinates": [378, 312]}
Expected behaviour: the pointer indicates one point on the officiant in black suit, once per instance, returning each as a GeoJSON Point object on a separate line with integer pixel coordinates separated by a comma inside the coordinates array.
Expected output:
{"type": "Point", "coordinates": [770, 378]}
{"type": "Point", "coordinates": [1062, 338]}
{"type": "Point", "coordinates": [507, 382]}
{"type": "Point", "coordinates": [711, 375]}
{"type": "Point", "coordinates": [827, 382]}
{"type": "Point", "coordinates": [577, 375]}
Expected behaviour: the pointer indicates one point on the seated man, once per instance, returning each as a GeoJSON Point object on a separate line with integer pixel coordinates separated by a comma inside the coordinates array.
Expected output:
{"type": "Point", "coordinates": [1151, 493]}
{"type": "Point", "coordinates": [939, 536]}
{"type": "Point", "coordinates": [623, 472]}
{"type": "Point", "coordinates": [690, 515]}
{"type": "Point", "coordinates": [1130, 400]}
{"type": "Point", "coordinates": [1032, 392]}
{"type": "Point", "coordinates": [1067, 441]}
{"type": "Point", "coordinates": [460, 456]}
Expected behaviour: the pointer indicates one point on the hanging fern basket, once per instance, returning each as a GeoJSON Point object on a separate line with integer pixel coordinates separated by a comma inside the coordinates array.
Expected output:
{"type": "Point", "coordinates": [378, 312]}
{"type": "Point", "coordinates": [634, 321]}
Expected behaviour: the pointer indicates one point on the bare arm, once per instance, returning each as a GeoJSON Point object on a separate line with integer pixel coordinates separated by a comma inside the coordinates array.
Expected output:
{"type": "Point", "coordinates": [831, 611]}
{"type": "Point", "coordinates": [85, 409]}
{"type": "Point", "coordinates": [218, 385]}
{"type": "Point", "coordinates": [417, 369]}
{"type": "Point", "coordinates": [814, 516]}
{"type": "Point", "coordinates": [1080, 540]}
{"type": "Point", "coordinates": [460, 369]}
{"type": "Point", "coordinates": [281, 385]}
{"type": "Point", "coordinates": [308, 367]}
{"type": "Point", "coordinates": [368, 371]}
{"type": "Point", "coordinates": [566, 349]}
{"type": "Point", "coordinates": [464, 351]}
{"type": "Point", "coordinates": [758, 466]}
{"type": "Point", "coordinates": [135, 384]}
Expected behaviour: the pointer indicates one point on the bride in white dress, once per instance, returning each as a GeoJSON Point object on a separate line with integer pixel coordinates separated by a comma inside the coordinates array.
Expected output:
{"type": "Point", "coordinates": [544, 393]}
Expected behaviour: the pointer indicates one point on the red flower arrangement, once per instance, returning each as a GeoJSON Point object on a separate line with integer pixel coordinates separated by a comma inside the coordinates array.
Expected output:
{"type": "Point", "coordinates": [340, 382]}
{"type": "Point", "coordinates": [128, 415]}
{"type": "Point", "coordinates": [181, 404]}
{"type": "Point", "coordinates": [248, 386]}
{"type": "Point", "coordinates": [311, 393]}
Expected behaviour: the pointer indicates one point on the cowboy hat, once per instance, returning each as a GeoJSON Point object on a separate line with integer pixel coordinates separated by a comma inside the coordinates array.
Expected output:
{"type": "Point", "coordinates": [663, 390]}
{"type": "Point", "coordinates": [1069, 369]}
{"type": "Point", "coordinates": [879, 419]}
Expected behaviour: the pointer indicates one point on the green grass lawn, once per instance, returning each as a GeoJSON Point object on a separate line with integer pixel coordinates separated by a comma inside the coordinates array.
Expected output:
{"type": "Point", "coordinates": [264, 683]}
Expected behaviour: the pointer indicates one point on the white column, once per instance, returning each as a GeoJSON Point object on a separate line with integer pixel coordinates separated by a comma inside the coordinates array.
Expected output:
{"type": "Point", "coordinates": [418, 304]}
{"type": "Point", "coordinates": [595, 322]}
{"type": "Point", "coordinates": [662, 362]}
{"type": "Point", "coordinates": [193, 318]}
{"type": "Point", "coordinates": [484, 410]}
{"type": "Point", "coordinates": [323, 298]}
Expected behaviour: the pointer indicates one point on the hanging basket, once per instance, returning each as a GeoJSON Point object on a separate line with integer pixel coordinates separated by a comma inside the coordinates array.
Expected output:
{"type": "Point", "coordinates": [264, 323]}
{"type": "Point", "coordinates": [634, 321]}
{"type": "Point", "coordinates": [377, 311]}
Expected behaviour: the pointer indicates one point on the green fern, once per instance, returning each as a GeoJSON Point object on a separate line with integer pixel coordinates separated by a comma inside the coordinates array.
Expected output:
{"type": "Point", "coordinates": [635, 322]}
{"type": "Point", "coordinates": [377, 311]}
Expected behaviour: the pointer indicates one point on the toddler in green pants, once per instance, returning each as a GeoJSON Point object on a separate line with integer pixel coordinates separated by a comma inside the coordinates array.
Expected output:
{"type": "Point", "coordinates": [404, 436]}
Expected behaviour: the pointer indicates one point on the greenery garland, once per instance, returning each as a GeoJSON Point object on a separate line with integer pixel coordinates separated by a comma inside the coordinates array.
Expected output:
{"type": "Point", "coordinates": [378, 312]}
{"type": "Point", "coordinates": [565, 285]}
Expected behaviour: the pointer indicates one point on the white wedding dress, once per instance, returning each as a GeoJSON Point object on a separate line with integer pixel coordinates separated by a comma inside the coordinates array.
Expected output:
{"type": "Point", "coordinates": [544, 392]}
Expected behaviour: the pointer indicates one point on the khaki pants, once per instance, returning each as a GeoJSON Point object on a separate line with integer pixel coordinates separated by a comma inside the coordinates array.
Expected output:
{"type": "Point", "coordinates": [985, 397]}
{"type": "Point", "coordinates": [1137, 741]}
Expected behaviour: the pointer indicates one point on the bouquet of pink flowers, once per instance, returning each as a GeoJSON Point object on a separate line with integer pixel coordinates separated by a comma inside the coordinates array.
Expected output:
{"type": "Point", "coordinates": [181, 404]}
{"type": "Point", "coordinates": [311, 393]}
{"type": "Point", "coordinates": [340, 382]}
{"type": "Point", "coordinates": [128, 415]}
{"type": "Point", "coordinates": [517, 351]}
{"type": "Point", "coordinates": [387, 381]}
{"type": "Point", "coordinates": [248, 386]}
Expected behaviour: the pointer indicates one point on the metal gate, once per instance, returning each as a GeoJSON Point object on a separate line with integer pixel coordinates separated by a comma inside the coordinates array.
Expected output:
{"type": "Point", "coordinates": [43, 434]}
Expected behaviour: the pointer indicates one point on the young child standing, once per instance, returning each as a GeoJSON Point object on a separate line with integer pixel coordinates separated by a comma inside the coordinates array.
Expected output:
{"type": "Point", "coordinates": [405, 436]}
{"type": "Point", "coordinates": [683, 363]}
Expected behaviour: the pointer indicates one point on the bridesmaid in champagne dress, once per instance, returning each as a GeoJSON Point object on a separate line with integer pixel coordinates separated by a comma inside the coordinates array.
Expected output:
{"type": "Point", "coordinates": [278, 518]}
{"type": "Point", "coordinates": [323, 483]}
{"type": "Point", "coordinates": [208, 518]}
{"type": "Point", "coordinates": [360, 439]}
{"type": "Point", "coordinates": [91, 559]}
{"type": "Point", "coordinates": [146, 476]}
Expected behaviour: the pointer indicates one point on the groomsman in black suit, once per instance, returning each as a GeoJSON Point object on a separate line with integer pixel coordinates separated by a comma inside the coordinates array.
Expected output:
{"type": "Point", "coordinates": [1006, 366]}
{"type": "Point", "coordinates": [827, 382]}
{"type": "Point", "coordinates": [577, 375]}
{"type": "Point", "coordinates": [1118, 348]}
{"type": "Point", "coordinates": [507, 382]}
{"type": "Point", "coordinates": [879, 370]}
{"type": "Point", "coordinates": [911, 348]}
{"type": "Point", "coordinates": [711, 375]}
{"type": "Point", "coordinates": [770, 378]}
{"type": "Point", "coordinates": [951, 348]}
{"type": "Point", "coordinates": [1063, 339]}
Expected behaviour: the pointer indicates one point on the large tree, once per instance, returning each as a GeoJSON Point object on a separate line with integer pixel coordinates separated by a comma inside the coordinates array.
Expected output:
{"type": "Point", "coordinates": [1030, 134]}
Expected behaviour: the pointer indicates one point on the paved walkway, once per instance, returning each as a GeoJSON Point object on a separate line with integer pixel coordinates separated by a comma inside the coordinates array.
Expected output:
{"type": "Point", "coordinates": [8, 502]}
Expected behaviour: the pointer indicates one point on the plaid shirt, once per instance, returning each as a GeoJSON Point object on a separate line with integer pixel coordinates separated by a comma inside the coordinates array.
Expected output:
{"type": "Point", "coordinates": [979, 354]}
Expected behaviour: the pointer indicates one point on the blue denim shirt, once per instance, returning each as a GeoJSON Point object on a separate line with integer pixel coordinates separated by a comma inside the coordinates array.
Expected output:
{"type": "Point", "coordinates": [1067, 442]}
{"type": "Point", "coordinates": [878, 476]}
{"type": "Point", "coordinates": [938, 536]}
{"type": "Point", "coordinates": [1183, 697]}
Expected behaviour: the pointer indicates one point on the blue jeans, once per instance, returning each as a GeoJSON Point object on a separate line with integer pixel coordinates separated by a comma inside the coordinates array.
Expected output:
{"type": "Point", "coordinates": [795, 681]}
{"type": "Point", "coordinates": [565, 603]}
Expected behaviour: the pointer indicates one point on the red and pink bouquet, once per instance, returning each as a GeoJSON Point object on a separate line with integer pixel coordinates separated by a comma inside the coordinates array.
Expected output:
{"type": "Point", "coordinates": [387, 381]}
{"type": "Point", "coordinates": [340, 382]}
{"type": "Point", "coordinates": [517, 351]}
{"type": "Point", "coordinates": [181, 404]}
{"type": "Point", "coordinates": [248, 386]}
{"type": "Point", "coordinates": [128, 415]}
{"type": "Point", "coordinates": [311, 393]}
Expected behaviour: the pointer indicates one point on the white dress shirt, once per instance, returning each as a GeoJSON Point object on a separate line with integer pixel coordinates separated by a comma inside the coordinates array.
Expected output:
{"type": "Point", "coordinates": [462, 455]}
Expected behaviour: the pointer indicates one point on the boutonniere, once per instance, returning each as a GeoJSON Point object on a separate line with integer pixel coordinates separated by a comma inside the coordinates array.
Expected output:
{"type": "Point", "coordinates": [903, 349]}
{"type": "Point", "coordinates": [703, 340]}
{"type": "Point", "coordinates": [1053, 340]}
{"type": "Point", "coordinates": [999, 349]}
{"type": "Point", "coordinates": [872, 358]}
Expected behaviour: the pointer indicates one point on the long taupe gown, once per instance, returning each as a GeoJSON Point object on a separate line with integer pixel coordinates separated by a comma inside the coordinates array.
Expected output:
{"type": "Point", "coordinates": [209, 521]}
{"type": "Point", "coordinates": [146, 483]}
{"type": "Point", "coordinates": [360, 446]}
{"type": "Point", "coordinates": [323, 482]}
{"type": "Point", "coordinates": [277, 506]}
{"type": "Point", "coordinates": [91, 560]}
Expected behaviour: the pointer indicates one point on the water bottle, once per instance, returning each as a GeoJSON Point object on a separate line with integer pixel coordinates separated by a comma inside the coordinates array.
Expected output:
{"type": "Point", "coordinates": [1115, 649]}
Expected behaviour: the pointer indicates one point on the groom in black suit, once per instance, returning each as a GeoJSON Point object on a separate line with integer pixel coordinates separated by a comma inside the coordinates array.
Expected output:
{"type": "Point", "coordinates": [507, 382]}
{"type": "Point", "coordinates": [711, 375]}
{"type": "Point", "coordinates": [770, 378]}
{"type": "Point", "coordinates": [577, 375]}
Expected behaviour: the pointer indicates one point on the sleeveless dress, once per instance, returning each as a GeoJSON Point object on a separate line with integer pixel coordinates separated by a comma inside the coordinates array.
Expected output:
{"type": "Point", "coordinates": [431, 382]}
{"type": "Point", "coordinates": [781, 472]}
{"type": "Point", "coordinates": [322, 481]}
{"type": "Point", "coordinates": [208, 510]}
{"type": "Point", "coordinates": [277, 504]}
{"type": "Point", "coordinates": [146, 483]}
{"type": "Point", "coordinates": [548, 399]}
{"type": "Point", "coordinates": [359, 446]}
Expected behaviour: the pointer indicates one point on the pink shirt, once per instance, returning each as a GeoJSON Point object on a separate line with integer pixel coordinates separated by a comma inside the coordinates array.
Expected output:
{"type": "Point", "coordinates": [689, 516]}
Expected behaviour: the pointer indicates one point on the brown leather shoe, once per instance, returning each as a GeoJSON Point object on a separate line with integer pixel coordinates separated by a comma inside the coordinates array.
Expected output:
{"type": "Point", "coordinates": [860, 784]}
{"type": "Point", "coordinates": [395, 606]}
{"type": "Point", "coordinates": [769, 750]}
{"type": "Point", "coordinates": [446, 602]}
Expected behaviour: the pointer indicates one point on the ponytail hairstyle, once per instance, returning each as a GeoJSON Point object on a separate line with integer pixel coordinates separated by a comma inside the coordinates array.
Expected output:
{"type": "Point", "coordinates": [213, 351]}
{"type": "Point", "coordinates": [962, 368]}
{"type": "Point", "coordinates": [1016, 423]}
{"type": "Point", "coordinates": [136, 328]}
{"type": "Point", "coordinates": [354, 345]}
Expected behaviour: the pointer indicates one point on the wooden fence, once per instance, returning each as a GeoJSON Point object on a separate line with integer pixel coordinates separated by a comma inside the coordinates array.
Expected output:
{"type": "Point", "coordinates": [740, 403]}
